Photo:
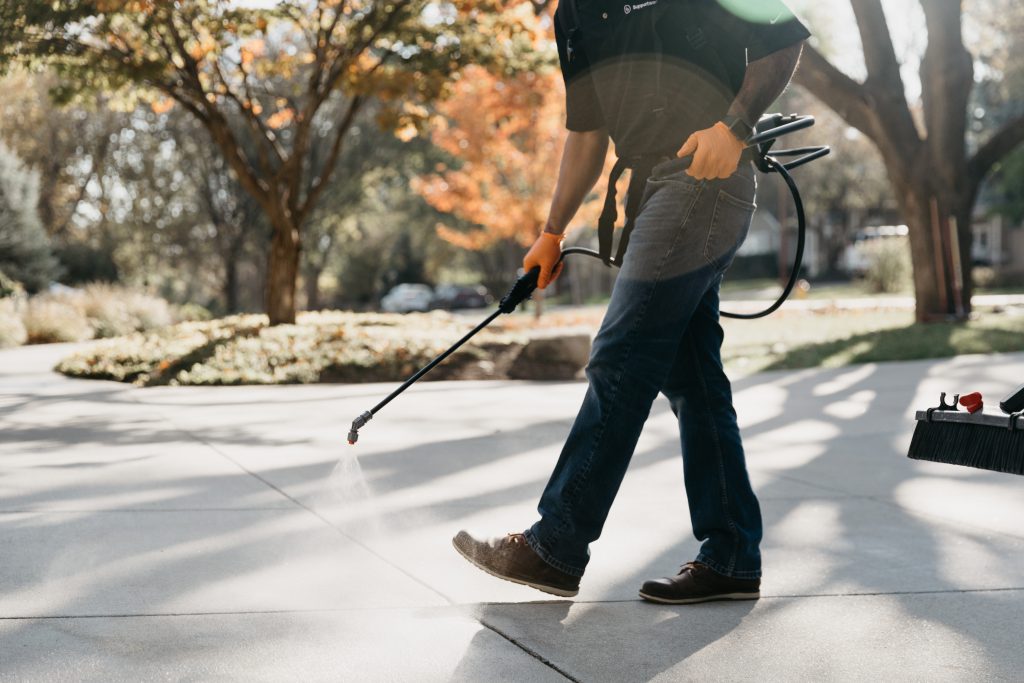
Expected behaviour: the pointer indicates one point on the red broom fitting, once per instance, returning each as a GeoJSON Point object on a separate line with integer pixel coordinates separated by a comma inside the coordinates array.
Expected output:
{"type": "Point", "coordinates": [972, 402]}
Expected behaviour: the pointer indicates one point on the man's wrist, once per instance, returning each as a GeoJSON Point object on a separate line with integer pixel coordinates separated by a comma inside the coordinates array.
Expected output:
{"type": "Point", "coordinates": [738, 127]}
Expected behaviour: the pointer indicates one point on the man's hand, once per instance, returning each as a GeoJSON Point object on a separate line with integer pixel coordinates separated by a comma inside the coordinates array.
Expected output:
{"type": "Point", "coordinates": [545, 253]}
{"type": "Point", "coordinates": [716, 152]}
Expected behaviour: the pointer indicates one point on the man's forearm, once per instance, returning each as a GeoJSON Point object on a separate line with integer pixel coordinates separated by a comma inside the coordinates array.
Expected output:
{"type": "Point", "coordinates": [582, 162]}
{"type": "Point", "coordinates": [765, 80]}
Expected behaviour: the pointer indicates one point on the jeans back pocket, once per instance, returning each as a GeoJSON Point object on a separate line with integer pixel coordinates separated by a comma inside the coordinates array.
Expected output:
{"type": "Point", "coordinates": [730, 222]}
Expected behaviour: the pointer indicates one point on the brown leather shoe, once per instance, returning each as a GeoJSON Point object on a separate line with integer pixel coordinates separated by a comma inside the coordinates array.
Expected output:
{"type": "Point", "coordinates": [696, 582]}
{"type": "Point", "coordinates": [511, 558]}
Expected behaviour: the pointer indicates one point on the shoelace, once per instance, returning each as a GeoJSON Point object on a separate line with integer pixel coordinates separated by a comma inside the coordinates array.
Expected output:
{"type": "Point", "coordinates": [689, 565]}
{"type": "Point", "coordinates": [516, 539]}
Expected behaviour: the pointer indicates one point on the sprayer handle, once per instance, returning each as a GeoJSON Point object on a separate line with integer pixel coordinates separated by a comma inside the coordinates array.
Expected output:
{"type": "Point", "coordinates": [520, 291]}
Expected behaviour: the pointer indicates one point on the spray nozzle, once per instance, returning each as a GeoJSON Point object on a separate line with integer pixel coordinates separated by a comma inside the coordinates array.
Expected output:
{"type": "Point", "coordinates": [357, 424]}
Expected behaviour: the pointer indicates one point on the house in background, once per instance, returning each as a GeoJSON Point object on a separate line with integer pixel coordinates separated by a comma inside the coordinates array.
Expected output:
{"type": "Point", "coordinates": [998, 243]}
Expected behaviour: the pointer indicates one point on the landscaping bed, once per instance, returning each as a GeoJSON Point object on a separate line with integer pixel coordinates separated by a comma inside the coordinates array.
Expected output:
{"type": "Point", "coordinates": [321, 347]}
{"type": "Point", "coordinates": [368, 347]}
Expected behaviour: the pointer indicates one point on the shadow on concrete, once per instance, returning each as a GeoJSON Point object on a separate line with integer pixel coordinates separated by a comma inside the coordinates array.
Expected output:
{"type": "Point", "coordinates": [864, 463]}
{"type": "Point", "coordinates": [646, 643]}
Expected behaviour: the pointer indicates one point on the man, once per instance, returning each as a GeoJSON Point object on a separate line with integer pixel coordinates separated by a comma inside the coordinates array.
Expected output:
{"type": "Point", "coordinates": [677, 85]}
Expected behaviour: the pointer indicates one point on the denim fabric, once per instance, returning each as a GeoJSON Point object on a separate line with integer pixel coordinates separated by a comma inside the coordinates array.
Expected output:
{"type": "Point", "coordinates": [661, 335]}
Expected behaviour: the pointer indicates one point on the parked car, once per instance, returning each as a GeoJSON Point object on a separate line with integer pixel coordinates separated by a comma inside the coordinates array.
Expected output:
{"type": "Point", "coordinates": [407, 297]}
{"type": "Point", "coordinates": [450, 297]}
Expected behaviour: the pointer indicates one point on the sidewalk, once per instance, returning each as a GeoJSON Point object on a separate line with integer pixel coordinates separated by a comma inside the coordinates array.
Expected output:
{"type": "Point", "coordinates": [867, 303]}
{"type": "Point", "coordinates": [211, 534]}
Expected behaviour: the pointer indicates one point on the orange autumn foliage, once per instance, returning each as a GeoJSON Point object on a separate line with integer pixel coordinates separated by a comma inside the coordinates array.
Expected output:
{"type": "Point", "coordinates": [508, 135]}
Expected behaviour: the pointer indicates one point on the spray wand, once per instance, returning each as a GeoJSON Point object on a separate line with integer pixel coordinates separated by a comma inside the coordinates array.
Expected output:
{"type": "Point", "coordinates": [519, 293]}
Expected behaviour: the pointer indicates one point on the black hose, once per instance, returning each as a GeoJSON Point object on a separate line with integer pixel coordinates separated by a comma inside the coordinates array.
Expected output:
{"type": "Point", "coordinates": [801, 239]}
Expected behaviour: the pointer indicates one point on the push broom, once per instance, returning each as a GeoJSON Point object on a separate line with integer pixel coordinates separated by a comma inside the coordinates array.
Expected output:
{"type": "Point", "coordinates": [972, 437]}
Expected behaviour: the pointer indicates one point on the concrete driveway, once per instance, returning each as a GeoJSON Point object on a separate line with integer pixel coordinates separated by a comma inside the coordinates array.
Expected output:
{"type": "Point", "coordinates": [231, 534]}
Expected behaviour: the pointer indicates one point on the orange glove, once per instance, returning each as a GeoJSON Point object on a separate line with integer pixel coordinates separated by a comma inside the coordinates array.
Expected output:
{"type": "Point", "coordinates": [716, 152]}
{"type": "Point", "coordinates": [545, 253]}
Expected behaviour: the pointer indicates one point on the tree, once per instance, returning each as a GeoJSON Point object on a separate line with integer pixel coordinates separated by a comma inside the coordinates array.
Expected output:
{"type": "Point", "coordinates": [368, 148]}
{"type": "Point", "coordinates": [236, 227]}
{"type": "Point", "coordinates": [68, 146]}
{"type": "Point", "coordinates": [274, 71]}
{"type": "Point", "coordinates": [504, 136]}
{"type": "Point", "coordinates": [934, 175]}
{"type": "Point", "coordinates": [994, 100]}
{"type": "Point", "coordinates": [24, 249]}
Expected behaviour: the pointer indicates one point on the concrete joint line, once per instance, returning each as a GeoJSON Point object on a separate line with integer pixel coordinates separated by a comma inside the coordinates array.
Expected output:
{"type": "Point", "coordinates": [303, 506]}
{"type": "Point", "coordinates": [530, 651]}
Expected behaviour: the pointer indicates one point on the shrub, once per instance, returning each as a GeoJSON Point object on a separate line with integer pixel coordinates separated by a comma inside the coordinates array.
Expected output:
{"type": "Point", "coordinates": [322, 347]}
{"type": "Point", "coordinates": [191, 313]}
{"type": "Point", "coordinates": [103, 306]}
{"type": "Point", "coordinates": [12, 330]}
{"type": "Point", "coordinates": [50, 318]}
{"type": "Point", "coordinates": [987, 277]}
{"type": "Point", "coordinates": [984, 277]}
{"type": "Point", "coordinates": [889, 265]}
{"type": "Point", "coordinates": [148, 312]}
{"type": "Point", "coordinates": [9, 287]}
{"type": "Point", "coordinates": [115, 311]}
{"type": "Point", "coordinates": [25, 252]}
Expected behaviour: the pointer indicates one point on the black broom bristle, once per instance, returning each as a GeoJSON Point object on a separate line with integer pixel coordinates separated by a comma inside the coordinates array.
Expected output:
{"type": "Point", "coordinates": [985, 447]}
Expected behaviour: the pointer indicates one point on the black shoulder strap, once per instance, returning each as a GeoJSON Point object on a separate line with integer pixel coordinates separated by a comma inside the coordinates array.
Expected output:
{"type": "Point", "coordinates": [570, 14]}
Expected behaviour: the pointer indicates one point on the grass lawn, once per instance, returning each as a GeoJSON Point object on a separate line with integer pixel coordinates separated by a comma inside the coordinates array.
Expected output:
{"type": "Point", "coordinates": [766, 289]}
{"type": "Point", "coordinates": [836, 338]}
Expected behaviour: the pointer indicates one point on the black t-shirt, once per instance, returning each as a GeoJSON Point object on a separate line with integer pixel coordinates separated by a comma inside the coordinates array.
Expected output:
{"type": "Point", "coordinates": [609, 53]}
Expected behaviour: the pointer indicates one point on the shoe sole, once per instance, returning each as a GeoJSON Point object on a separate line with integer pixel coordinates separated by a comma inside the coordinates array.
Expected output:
{"type": "Point", "coordinates": [550, 590]}
{"type": "Point", "coordinates": [709, 598]}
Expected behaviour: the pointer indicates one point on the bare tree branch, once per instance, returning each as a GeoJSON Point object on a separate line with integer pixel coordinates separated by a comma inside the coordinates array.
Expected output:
{"type": "Point", "coordinates": [1004, 141]}
{"type": "Point", "coordinates": [879, 53]}
{"type": "Point", "coordinates": [318, 185]}
{"type": "Point", "coordinates": [945, 68]}
{"type": "Point", "coordinates": [259, 128]}
{"type": "Point", "coordinates": [846, 96]}
{"type": "Point", "coordinates": [345, 55]}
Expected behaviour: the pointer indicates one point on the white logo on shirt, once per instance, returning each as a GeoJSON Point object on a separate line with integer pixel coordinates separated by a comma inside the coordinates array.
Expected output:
{"type": "Point", "coordinates": [626, 9]}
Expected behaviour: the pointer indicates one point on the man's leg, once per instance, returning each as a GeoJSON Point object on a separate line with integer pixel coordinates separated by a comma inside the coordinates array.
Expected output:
{"type": "Point", "coordinates": [724, 511]}
{"type": "Point", "coordinates": [631, 356]}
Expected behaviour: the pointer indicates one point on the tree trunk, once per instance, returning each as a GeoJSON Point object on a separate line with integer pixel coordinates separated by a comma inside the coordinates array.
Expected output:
{"type": "Point", "coordinates": [929, 293]}
{"type": "Point", "coordinates": [282, 270]}
{"type": "Point", "coordinates": [965, 231]}
{"type": "Point", "coordinates": [932, 253]}
{"type": "Point", "coordinates": [311, 277]}
{"type": "Point", "coordinates": [231, 284]}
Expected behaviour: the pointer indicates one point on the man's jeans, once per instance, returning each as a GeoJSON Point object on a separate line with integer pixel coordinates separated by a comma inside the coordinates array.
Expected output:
{"type": "Point", "coordinates": [661, 334]}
